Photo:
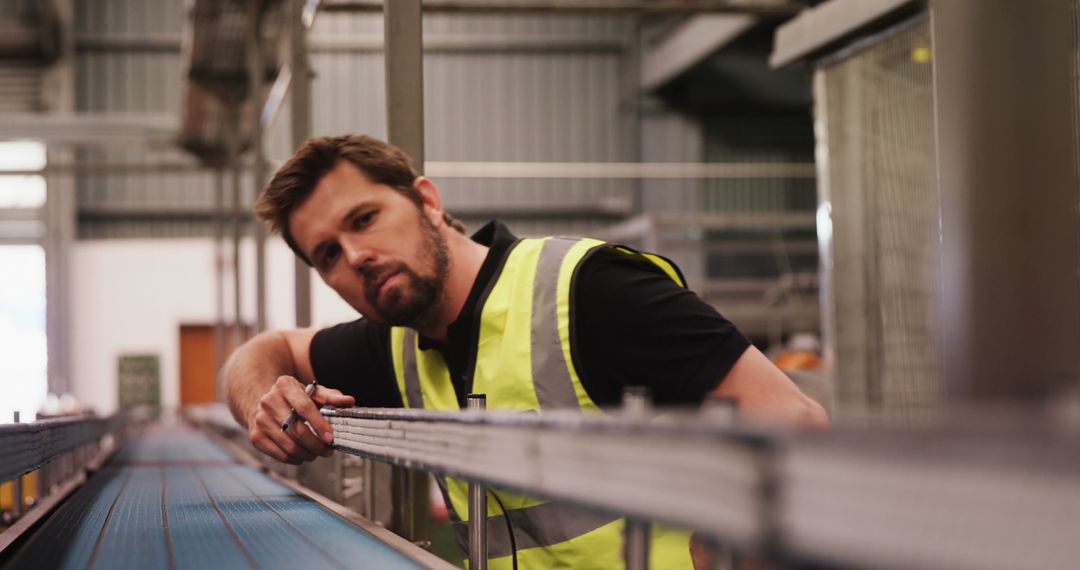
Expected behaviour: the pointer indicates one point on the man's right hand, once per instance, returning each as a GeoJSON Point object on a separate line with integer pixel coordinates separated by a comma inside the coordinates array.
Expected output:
{"type": "Point", "coordinates": [298, 444]}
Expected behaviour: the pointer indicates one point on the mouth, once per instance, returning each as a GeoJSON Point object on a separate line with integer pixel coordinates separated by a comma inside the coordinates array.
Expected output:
{"type": "Point", "coordinates": [384, 284]}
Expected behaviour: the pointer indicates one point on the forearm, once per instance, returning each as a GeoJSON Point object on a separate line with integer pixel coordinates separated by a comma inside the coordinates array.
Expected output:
{"type": "Point", "coordinates": [763, 392]}
{"type": "Point", "coordinates": [252, 370]}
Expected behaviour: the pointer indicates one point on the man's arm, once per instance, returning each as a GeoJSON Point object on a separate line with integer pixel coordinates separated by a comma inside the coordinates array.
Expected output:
{"type": "Point", "coordinates": [265, 380]}
{"type": "Point", "coordinates": [762, 391]}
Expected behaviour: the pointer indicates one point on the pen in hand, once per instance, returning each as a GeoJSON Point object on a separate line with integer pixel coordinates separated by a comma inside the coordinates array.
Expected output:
{"type": "Point", "coordinates": [309, 390]}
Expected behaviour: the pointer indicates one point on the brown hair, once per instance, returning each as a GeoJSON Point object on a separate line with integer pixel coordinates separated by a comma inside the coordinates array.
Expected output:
{"type": "Point", "coordinates": [381, 162]}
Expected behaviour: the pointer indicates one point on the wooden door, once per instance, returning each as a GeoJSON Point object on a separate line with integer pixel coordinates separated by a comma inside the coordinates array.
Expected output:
{"type": "Point", "coordinates": [198, 377]}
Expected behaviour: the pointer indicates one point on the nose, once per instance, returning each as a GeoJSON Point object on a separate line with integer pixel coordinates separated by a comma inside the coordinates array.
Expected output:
{"type": "Point", "coordinates": [357, 254]}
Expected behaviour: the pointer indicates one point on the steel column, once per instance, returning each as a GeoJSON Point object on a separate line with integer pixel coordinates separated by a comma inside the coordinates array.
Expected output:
{"type": "Point", "coordinates": [405, 78]}
{"type": "Point", "coordinates": [58, 98]}
{"type": "Point", "coordinates": [636, 532]}
{"type": "Point", "coordinates": [233, 149]}
{"type": "Point", "coordinates": [1010, 300]}
{"type": "Point", "coordinates": [405, 127]}
{"type": "Point", "coordinates": [256, 72]}
{"type": "Point", "coordinates": [300, 117]}
{"type": "Point", "coordinates": [219, 280]}
{"type": "Point", "coordinates": [16, 486]}
{"type": "Point", "coordinates": [478, 547]}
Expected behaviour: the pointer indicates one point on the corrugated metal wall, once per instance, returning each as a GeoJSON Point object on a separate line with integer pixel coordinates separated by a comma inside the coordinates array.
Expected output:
{"type": "Point", "coordinates": [128, 61]}
{"type": "Point", "coordinates": [490, 95]}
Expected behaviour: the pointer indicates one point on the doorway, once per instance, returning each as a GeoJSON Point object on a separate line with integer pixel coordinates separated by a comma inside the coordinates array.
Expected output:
{"type": "Point", "coordinates": [198, 376]}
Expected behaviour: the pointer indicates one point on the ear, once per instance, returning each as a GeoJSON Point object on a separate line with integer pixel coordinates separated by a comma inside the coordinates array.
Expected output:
{"type": "Point", "coordinates": [432, 200]}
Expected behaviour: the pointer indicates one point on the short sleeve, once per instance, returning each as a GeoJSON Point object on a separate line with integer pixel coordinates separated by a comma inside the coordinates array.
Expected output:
{"type": "Point", "coordinates": [354, 357]}
{"type": "Point", "coordinates": [634, 326]}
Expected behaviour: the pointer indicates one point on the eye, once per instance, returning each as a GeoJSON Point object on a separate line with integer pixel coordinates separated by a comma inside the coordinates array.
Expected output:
{"type": "Point", "coordinates": [329, 255]}
{"type": "Point", "coordinates": [363, 220]}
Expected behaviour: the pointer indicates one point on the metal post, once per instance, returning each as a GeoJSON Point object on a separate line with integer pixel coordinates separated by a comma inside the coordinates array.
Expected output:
{"type": "Point", "coordinates": [16, 488]}
{"type": "Point", "coordinates": [404, 60]}
{"type": "Point", "coordinates": [478, 547]}
{"type": "Point", "coordinates": [300, 116]}
{"type": "Point", "coordinates": [368, 489]}
{"type": "Point", "coordinates": [219, 279]}
{"type": "Point", "coordinates": [256, 73]}
{"type": "Point", "coordinates": [1010, 309]}
{"type": "Point", "coordinates": [636, 402]}
{"type": "Point", "coordinates": [233, 149]}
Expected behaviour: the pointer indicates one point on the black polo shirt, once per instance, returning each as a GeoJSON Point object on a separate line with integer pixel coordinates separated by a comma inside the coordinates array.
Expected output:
{"type": "Point", "coordinates": [632, 326]}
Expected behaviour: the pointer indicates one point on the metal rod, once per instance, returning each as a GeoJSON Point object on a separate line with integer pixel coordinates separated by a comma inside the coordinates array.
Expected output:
{"type": "Point", "coordinates": [368, 489]}
{"type": "Point", "coordinates": [637, 403]}
{"type": "Point", "coordinates": [300, 116]}
{"type": "Point", "coordinates": [256, 74]}
{"type": "Point", "coordinates": [478, 547]}
{"type": "Point", "coordinates": [16, 486]}
{"type": "Point", "coordinates": [399, 496]}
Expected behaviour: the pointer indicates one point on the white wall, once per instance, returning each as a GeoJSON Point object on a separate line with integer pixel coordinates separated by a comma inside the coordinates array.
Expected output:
{"type": "Point", "coordinates": [131, 296]}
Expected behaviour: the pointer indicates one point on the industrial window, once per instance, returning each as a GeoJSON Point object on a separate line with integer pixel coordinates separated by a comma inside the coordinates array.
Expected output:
{"type": "Point", "coordinates": [20, 186]}
{"type": "Point", "coordinates": [22, 330]}
{"type": "Point", "coordinates": [23, 379]}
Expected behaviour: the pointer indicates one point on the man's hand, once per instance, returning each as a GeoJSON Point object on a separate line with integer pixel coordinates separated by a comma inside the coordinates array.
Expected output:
{"type": "Point", "coordinates": [298, 444]}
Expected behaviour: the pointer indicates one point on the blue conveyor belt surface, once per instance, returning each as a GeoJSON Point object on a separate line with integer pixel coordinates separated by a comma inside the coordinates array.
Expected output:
{"type": "Point", "coordinates": [172, 499]}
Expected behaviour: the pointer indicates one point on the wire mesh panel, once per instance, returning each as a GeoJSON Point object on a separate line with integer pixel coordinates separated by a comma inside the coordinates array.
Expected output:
{"type": "Point", "coordinates": [877, 153]}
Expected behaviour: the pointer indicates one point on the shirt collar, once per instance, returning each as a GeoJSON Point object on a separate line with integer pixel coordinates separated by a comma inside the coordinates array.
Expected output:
{"type": "Point", "coordinates": [498, 239]}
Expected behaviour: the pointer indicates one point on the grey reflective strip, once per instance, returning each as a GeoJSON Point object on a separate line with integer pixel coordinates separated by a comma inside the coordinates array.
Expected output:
{"type": "Point", "coordinates": [412, 374]}
{"type": "Point", "coordinates": [546, 524]}
{"type": "Point", "coordinates": [551, 375]}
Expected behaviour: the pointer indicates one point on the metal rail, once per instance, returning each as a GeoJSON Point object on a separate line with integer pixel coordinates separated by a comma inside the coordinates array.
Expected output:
{"type": "Point", "coordinates": [982, 493]}
{"type": "Point", "coordinates": [26, 447]}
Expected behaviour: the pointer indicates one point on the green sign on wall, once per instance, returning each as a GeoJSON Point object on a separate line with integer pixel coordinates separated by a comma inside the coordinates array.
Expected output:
{"type": "Point", "coordinates": [139, 380]}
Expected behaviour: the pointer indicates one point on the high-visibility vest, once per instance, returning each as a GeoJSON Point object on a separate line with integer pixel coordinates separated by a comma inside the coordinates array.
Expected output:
{"type": "Point", "coordinates": [523, 362]}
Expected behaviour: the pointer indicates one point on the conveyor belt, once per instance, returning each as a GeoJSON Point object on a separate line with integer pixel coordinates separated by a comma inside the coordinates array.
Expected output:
{"type": "Point", "coordinates": [174, 499]}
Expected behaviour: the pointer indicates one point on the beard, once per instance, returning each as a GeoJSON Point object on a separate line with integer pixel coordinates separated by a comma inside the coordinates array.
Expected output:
{"type": "Point", "coordinates": [416, 299]}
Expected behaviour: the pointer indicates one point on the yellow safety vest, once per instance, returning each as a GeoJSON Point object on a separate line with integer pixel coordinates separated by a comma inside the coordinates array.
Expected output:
{"type": "Point", "coordinates": [523, 362]}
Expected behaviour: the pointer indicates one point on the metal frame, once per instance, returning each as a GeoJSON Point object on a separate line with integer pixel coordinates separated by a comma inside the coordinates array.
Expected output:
{"type": "Point", "coordinates": [693, 41]}
{"type": "Point", "coordinates": [777, 8]}
{"type": "Point", "coordinates": [63, 451]}
{"type": "Point", "coordinates": [26, 447]}
{"type": "Point", "coordinates": [817, 28]}
{"type": "Point", "coordinates": [856, 497]}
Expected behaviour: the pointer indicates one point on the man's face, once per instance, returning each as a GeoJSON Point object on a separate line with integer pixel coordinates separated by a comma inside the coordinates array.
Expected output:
{"type": "Point", "coordinates": [373, 246]}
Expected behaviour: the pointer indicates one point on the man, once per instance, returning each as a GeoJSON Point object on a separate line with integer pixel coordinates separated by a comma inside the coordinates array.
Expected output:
{"type": "Point", "coordinates": [533, 324]}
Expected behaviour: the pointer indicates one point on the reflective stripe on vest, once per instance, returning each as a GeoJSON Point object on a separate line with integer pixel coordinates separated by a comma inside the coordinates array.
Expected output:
{"type": "Point", "coordinates": [524, 362]}
{"type": "Point", "coordinates": [539, 525]}
{"type": "Point", "coordinates": [550, 371]}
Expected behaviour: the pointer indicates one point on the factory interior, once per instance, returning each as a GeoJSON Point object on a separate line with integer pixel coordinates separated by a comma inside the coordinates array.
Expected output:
{"type": "Point", "coordinates": [882, 196]}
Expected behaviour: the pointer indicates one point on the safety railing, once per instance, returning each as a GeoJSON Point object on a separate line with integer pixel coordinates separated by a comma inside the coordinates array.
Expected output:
{"type": "Point", "coordinates": [28, 446]}
{"type": "Point", "coordinates": [955, 496]}
{"type": "Point", "coordinates": [61, 450]}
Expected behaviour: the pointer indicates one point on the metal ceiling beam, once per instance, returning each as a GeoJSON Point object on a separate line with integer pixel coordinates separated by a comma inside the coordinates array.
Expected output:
{"type": "Point", "coordinates": [92, 129]}
{"type": "Point", "coordinates": [759, 7]}
{"type": "Point", "coordinates": [817, 28]}
{"type": "Point", "coordinates": [694, 40]}
{"type": "Point", "coordinates": [371, 43]}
